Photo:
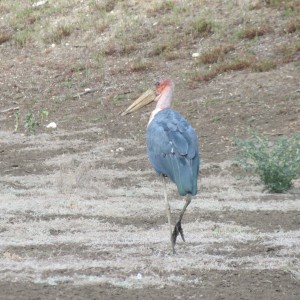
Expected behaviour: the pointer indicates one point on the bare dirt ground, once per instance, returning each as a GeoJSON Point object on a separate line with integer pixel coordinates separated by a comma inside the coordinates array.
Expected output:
{"type": "Point", "coordinates": [82, 214]}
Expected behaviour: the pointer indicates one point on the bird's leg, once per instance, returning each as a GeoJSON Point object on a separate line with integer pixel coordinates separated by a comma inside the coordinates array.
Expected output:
{"type": "Point", "coordinates": [168, 211]}
{"type": "Point", "coordinates": [178, 229]}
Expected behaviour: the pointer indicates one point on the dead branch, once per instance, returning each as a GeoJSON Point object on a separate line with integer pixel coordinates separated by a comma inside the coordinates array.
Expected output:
{"type": "Point", "coordinates": [86, 91]}
{"type": "Point", "coordinates": [9, 109]}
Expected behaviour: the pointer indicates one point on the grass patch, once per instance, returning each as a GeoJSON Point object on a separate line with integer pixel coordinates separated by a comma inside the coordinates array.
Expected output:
{"type": "Point", "coordinates": [216, 54]}
{"type": "Point", "coordinates": [250, 32]}
{"type": "Point", "coordinates": [115, 47]}
{"type": "Point", "coordinates": [102, 6]}
{"type": "Point", "coordinates": [292, 25]}
{"type": "Point", "coordinates": [165, 7]}
{"type": "Point", "coordinates": [22, 37]}
{"type": "Point", "coordinates": [139, 65]}
{"type": "Point", "coordinates": [264, 65]}
{"type": "Point", "coordinates": [235, 64]}
{"type": "Point", "coordinates": [277, 163]}
{"type": "Point", "coordinates": [201, 27]}
{"type": "Point", "coordinates": [287, 5]}
{"type": "Point", "coordinates": [101, 25]}
{"type": "Point", "coordinates": [5, 37]}
{"type": "Point", "coordinates": [287, 52]}
{"type": "Point", "coordinates": [57, 34]}
{"type": "Point", "coordinates": [165, 47]}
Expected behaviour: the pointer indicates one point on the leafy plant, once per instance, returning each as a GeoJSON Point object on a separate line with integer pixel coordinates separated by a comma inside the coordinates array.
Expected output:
{"type": "Point", "coordinates": [30, 122]}
{"type": "Point", "coordinates": [277, 163]}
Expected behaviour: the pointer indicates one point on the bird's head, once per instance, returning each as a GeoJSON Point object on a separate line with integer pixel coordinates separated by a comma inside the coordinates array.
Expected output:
{"type": "Point", "coordinates": [161, 86]}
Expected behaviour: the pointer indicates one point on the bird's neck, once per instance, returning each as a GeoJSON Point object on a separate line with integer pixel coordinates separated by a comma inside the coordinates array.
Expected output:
{"type": "Point", "coordinates": [165, 99]}
{"type": "Point", "coordinates": [153, 113]}
{"type": "Point", "coordinates": [164, 102]}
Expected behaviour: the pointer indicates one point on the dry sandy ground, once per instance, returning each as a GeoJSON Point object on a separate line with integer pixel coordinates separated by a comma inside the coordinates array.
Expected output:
{"type": "Point", "coordinates": [82, 219]}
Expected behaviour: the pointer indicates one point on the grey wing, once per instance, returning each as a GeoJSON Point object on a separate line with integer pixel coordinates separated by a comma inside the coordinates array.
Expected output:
{"type": "Point", "coordinates": [173, 150]}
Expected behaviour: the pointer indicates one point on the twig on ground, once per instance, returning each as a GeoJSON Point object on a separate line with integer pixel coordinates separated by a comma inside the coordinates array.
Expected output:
{"type": "Point", "coordinates": [86, 91]}
{"type": "Point", "coordinates": [9, 109]}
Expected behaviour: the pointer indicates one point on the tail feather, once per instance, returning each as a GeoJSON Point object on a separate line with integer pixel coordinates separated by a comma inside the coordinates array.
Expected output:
{"type": "Point", "coordinates": [181, 170]}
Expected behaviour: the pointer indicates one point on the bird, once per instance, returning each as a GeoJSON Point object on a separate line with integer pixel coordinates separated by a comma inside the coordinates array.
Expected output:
{"type": "Point", "coordinates": [173, 151]}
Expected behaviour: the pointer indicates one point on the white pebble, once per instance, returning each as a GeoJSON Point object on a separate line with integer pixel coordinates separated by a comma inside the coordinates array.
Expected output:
{"type": "Point", "coordinates": [51, 125]}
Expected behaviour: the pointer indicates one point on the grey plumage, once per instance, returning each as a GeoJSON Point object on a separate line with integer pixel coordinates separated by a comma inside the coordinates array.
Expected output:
{"type": "Point", "coordinates": [172, 146]}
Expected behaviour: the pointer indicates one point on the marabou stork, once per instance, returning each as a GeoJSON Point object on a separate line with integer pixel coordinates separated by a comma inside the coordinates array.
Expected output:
{"type": "Point", "coordinates": [173, 151]}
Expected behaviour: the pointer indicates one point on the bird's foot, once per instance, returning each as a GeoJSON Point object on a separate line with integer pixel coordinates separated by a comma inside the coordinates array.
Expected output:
{"type": "Point", "coordinates": [177, 230]}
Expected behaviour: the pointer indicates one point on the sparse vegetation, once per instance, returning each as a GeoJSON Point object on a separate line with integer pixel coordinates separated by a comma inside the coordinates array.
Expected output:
{"type": "Point", "coordinates": [250, 32]}
{"type": "Point", "coordinates": [5, 37]}
{"type": "Point", "coordinates": [287, 53]}
{"type": "Point", "coordinates": [161, 8]}
{"type": "Point", "coordinates": [32, 120]}
{"type": "Point", "coordinates": [216, 54]}
{"type": "Point", "coordinates": [58, 33]}
{"type": "Point", "coordinates": [277, 162]}
{"type": "Point", "coordinates": [264, 65]}
{"type": "Point", "coordinates": [139, 65]}
{"type": "Point", "coordinates": [292, 25]}
{"type": "Point", "coordinates": [234, 64]}
{"type": "Point", "coordinates": [31, 123]}
{"type": "Point", "coordinates": [163, 47]}
{"type": "Point", "coordinates": [201, 27]}
{"type": "Point", "coordinates": [22, 38]}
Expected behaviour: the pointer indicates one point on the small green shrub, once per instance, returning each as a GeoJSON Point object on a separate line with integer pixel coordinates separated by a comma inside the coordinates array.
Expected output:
{"type": "Point", "coordinates": [277, 163]}
{"type": "Point", "coordinates": [31, 123]}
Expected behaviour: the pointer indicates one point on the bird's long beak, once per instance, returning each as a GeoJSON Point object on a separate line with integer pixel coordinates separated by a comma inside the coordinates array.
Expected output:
{"type": "Point", "coordinates": [140, 102]}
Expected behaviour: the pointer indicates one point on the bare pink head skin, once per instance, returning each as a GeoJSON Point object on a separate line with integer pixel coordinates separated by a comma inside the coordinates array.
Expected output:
{"type": "Point", "coordinates": [164, 91]}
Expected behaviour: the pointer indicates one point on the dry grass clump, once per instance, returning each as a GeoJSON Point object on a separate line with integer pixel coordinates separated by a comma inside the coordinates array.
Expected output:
{"type": "Point", "coordinates": [139, 65]}
{"type": "Point", "coordinates": [171, 55]}
{"type": "Point", "coordinates": [115, 47]}
{"type": "Point", "coordinates": [162, 8]}
{"type": "Point", "coordinates": [250, 32]}
{"type": "Point", "coordinates": [141, 35]}
{"type": "Point", "coordinates": [22, 38]}
{"type": "Point", "coordinates": [292, 5]}
{"type": "Point", "coordinates": [264, 65]}
{"type": "Point", "coordinates": [101, 25]}
{"type": "Point", "coordinates": [57, 34]}
{"type": "Point", "coordinates": [5, 37]}
{"type": "Point", "coordinates": [288, 53]}
{"type": "Point", "coordinates": [216, 54]}
{"type": "Point", "coordinates": [292, 25]}
{"type": "Point", "coordinates": [220, 66]}
{"type": "Point", "coordinates": [164, 46]}
{"type": "Point", "coordinates": [235, 64]}
{"type": "Point", "coordinates": [102, 6]}
{"type": "Point", "coordinates": [201, 27]}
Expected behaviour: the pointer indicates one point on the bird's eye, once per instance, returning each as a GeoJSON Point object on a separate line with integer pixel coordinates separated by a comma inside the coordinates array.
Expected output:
{"type": "Point", "coordinates": [157, 83]}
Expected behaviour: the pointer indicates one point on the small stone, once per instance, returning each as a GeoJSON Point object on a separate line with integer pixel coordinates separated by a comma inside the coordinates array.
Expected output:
{"type": "Point", "coordinates": [51, 125]}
